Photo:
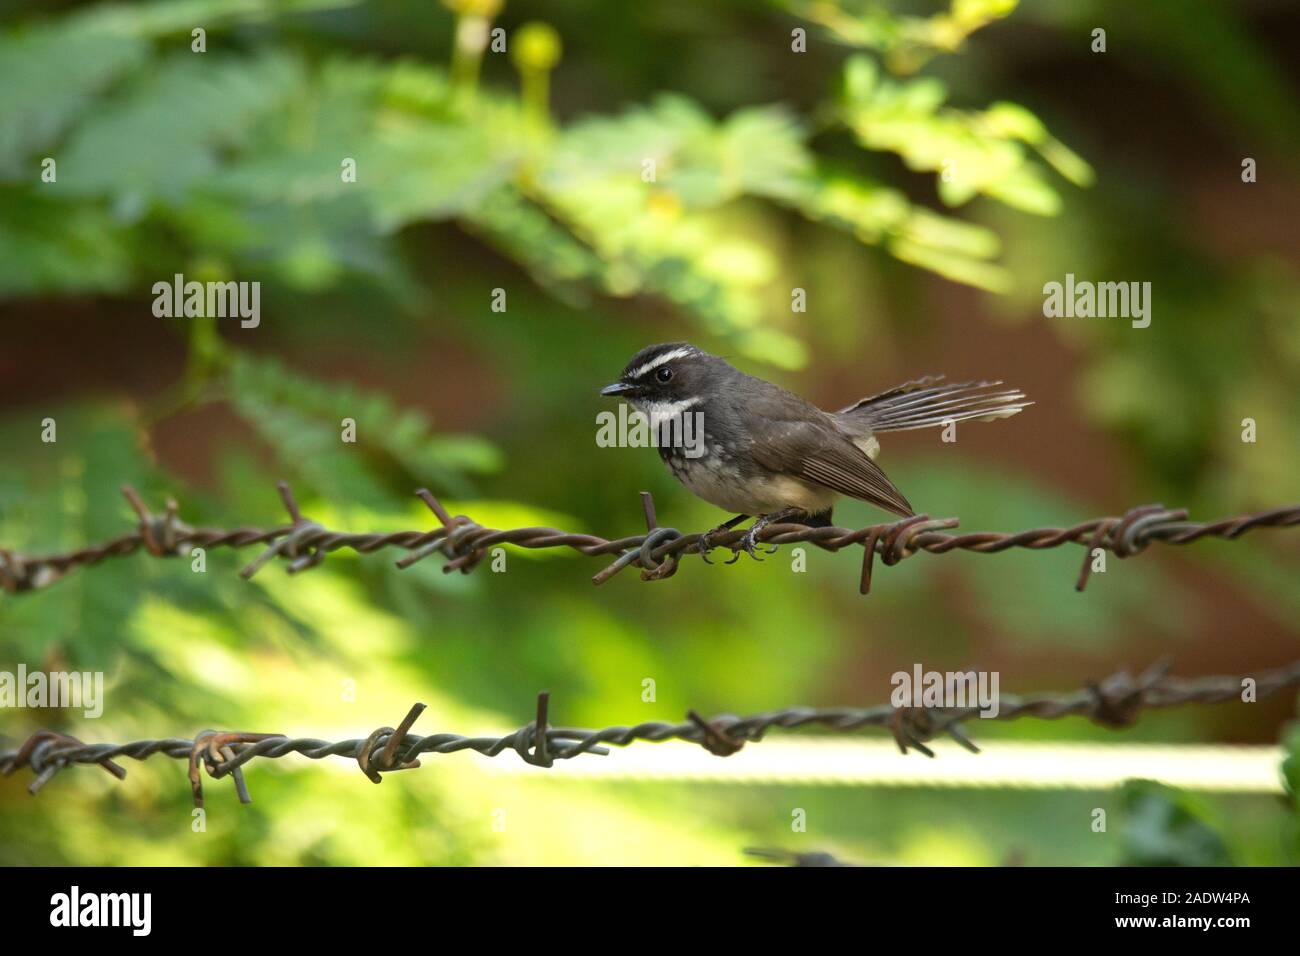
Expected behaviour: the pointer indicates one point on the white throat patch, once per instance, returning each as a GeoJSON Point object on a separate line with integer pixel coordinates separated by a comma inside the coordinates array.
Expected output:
{"type": "Point", "coordinates": [660, 412]}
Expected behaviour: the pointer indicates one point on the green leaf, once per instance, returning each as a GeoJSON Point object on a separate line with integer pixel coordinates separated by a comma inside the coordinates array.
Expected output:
{"type": "Point", "coordinates": [908, 42]}
{"type": "Point", "coordinates": [49, 74]}
{"type": "Point", "coordinates": [302, 420]}
{"type": "Point", "coordinates": [187, 111]}
{"type": "Point", "coordinates": [973, 152]}
{"type": "Point", "coordinates": [417, 154]}
{"type": "Point", "coordinates": [702, 163]}
{"type": "Point", "coordinates": [875, 214]}
{"type": "Point", "coordinates": [1291, 764]}
{"type": "Point", "coordinates": [49, 246]}
{"type": "Point", "coordinates": [52, 72]}
{"type": "Point", "coordinates": [1162, 826]}
{"type": "Point", "coordinates": [70, 496]}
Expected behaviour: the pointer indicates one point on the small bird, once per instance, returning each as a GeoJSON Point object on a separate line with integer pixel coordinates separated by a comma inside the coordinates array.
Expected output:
{"type": "Point", "coordinates": [771, 455]}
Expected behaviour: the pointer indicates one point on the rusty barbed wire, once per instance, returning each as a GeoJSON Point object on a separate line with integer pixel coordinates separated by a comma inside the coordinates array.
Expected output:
{"type": "Point", "coordinates": [806, 858]}
{"type": "Point", "coordinates": [795, 858]}
{"type": "Point", "coordinates": [464, 543]}
{"type": "Point", "coordinates": [1114, 702]}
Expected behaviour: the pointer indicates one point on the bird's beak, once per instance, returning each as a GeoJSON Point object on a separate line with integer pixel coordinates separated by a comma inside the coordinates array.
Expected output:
{"type": "Point", "coordinates": [618, 388]}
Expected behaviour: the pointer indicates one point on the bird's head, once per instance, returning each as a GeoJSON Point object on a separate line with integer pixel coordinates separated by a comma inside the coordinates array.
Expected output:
{"type": "Point", "coordinates": [666, 374]}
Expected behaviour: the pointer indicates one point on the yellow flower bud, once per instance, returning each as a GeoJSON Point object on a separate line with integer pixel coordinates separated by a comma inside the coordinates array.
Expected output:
{"type": "Point", "coordinates": [486, 9]}
{"type": "Point", "coordinates": [535, 46]}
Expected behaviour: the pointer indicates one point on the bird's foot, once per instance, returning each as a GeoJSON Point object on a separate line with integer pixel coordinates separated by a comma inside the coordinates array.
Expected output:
{"type": "Point", "coordinates": [706, 540]}
{"type": "Point", "coordinates": [749, 543]}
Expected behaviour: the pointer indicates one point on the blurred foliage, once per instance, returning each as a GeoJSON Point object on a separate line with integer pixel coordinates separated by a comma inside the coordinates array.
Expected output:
{"type": "Point", "coordinates": [908, 42]}
{"type": "Point", "coordinates": [302, 420]}
{"type": "Point", "coordinates": [1168, 827]}
{"type": "Point", "coordinates": [1291, 783]}
{"type": "Point", "coordinates": [976, 152]}
{"type": "Point", "coordinates": [244, 157]}
{"type": "Point", "coordinates": [623, 174]}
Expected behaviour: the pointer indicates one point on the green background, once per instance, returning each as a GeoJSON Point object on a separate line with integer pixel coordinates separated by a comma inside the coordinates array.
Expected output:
{"type": "Point", "coordinates": [921, 171]}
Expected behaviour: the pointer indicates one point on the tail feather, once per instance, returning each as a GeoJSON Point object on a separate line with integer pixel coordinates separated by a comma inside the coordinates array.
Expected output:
{"type": "Point", "coordinates": [924, 403]}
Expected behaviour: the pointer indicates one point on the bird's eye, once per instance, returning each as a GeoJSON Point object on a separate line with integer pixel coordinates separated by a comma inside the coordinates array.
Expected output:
{"type": "Point", "coordinates": [664, 374]}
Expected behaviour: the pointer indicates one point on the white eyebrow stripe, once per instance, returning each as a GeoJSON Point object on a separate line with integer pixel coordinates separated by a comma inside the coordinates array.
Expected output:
{"type": "Point", "coordinates": [660, 360]}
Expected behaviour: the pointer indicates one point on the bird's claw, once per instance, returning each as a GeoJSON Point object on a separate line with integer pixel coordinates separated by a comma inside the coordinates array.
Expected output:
{"type": "Point", "coordinates": [706, 545]}
{"type": "Point", "coordinates": [749, 544]}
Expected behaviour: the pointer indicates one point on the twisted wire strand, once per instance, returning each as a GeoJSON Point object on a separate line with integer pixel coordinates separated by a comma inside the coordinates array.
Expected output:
{"type": "Point", "coordinates": [1115, 702]}
{"type": "Point", "coordinates": [464, 543]}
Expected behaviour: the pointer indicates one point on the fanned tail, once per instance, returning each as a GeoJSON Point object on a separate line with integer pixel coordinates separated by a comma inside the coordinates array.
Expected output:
{"type": "Point", "coordinates": [924, 403]}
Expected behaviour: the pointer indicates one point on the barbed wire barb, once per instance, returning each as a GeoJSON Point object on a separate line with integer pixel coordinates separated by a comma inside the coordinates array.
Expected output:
{"type": "Point", "coordinates": [1115, 703]}
{"type": "Point", "coordinates": [304, 544]}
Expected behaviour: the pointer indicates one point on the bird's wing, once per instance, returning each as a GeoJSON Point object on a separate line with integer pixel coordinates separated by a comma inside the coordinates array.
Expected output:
{"type": "Point", "coordinates": [816, 452]}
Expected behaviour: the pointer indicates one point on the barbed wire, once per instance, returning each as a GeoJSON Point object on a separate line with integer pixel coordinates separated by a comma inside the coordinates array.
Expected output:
{"type": "Point", "coordinates": [464, 543]}
{"type": "Point", "coordinates": [1114, 702]}
{"type": "Point", "coordinates": [807, 858]}
{"type": "Point", "coordinates": [795, 858]}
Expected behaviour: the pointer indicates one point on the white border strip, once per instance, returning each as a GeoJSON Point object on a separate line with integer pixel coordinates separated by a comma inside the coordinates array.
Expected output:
{"type": "Point", "coordinates": [1016, 764]}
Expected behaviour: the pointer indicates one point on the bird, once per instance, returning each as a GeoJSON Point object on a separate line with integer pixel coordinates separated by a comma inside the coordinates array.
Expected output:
{"type": "Point", "coordinates": [769, 454]}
